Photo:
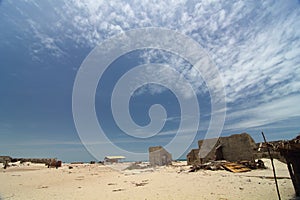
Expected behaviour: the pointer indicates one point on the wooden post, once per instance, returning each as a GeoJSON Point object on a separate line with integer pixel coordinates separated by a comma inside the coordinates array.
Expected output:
{"type": "Point", "coordinates": [271, 158]}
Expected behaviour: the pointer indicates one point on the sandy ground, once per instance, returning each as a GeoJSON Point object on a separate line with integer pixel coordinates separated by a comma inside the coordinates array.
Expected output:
{"type": "Point", "coordinates": [85, 181]}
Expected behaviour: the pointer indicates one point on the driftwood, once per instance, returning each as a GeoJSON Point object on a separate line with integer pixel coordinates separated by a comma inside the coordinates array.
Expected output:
{"type": "Point", "coordinates": [273, 167]}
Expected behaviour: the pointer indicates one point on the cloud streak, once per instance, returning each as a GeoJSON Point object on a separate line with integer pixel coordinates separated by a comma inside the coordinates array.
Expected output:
{"type": "Point", "coordinates": [255, 45]}
{"type": "Point", "coordinates": [264, 114]}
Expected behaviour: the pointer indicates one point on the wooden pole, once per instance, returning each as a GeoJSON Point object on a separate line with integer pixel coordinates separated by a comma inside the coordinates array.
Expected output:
{"type": "Point", "coordinates": [271, 158]}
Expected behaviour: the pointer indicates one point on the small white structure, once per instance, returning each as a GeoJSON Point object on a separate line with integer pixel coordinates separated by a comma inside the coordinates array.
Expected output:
{"type": "Point", "coordinates": [113, 159]}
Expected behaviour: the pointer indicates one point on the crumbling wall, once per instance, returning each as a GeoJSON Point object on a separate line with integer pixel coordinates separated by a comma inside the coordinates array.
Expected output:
{"type": "Point", "coordinates": [238, 147]}
{"type": "Point", "coordinates": [158, 156]}
{"type": "Point", "coordinates": [193, 157]}
{"type": "Point", "coordinates": [207, 149]}
{"type": "Point", "coordinates": [234, 148]}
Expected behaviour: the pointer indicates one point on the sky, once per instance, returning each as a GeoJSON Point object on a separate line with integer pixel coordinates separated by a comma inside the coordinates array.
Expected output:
{"type": "Point", "coordinates": [254, 48]}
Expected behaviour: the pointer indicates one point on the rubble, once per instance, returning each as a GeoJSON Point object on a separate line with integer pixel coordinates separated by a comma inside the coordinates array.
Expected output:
{"type": "Point", "coordinates": [138, 165]}
{"type": "Point", "coordinates": [242, 166]}
{"type": "Point", "coordinates": [212, 165]}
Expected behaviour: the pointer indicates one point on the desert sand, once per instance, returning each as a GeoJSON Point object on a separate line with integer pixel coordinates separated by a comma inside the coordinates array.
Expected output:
{"type": "Point", "coordinates": [96, 181]}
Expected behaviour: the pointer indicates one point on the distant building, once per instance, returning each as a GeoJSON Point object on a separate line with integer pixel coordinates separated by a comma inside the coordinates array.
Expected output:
{"type": "Point", "coordinates": [158, 156]}
{"type": "Point", "coordinates": [237, 147]}
{"type": "Point", "coordinates": [113, 159]}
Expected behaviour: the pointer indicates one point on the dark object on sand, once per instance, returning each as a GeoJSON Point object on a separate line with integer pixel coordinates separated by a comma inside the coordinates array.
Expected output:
{"type": "Point", "coordinates": [5, 165]}
{"type": "Point", "coordinates": [54, 163]}
{"type": "Point", "coordinates": [77, 163]}
{"type": "Point", "coordinates": [259, 164]}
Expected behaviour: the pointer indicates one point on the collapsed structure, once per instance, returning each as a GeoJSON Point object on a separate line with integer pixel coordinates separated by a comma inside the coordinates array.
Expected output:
{"type": "Point", "coordinates": [234, 148]}
{"type": "Point", "coordinates": [291, 152]}
{"type": "Point", "coordinates": [158, 156]}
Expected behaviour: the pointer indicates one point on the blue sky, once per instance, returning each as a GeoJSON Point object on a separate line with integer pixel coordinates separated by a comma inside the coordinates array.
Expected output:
{"type": "Point", "coordinates": [254, 45]}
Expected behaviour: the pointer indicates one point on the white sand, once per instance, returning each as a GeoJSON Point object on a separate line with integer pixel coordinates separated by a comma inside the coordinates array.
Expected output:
{"type": "Point", "coordinates": [174, 182]}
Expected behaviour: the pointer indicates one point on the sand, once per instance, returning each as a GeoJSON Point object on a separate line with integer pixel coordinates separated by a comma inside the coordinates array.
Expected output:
{"type": "Point", "coordinates": [96, 181]}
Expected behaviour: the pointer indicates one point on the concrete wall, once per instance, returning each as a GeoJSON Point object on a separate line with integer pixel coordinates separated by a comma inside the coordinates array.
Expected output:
{"type": "Point", "coordinates": [207, 149]}
{"type": "Point", "coordinates": [158, 156]}
{"type": "Point", "coordinates": [193, 157]}
{"type": "Point", "coordinates": [238, 147]}
{"type": "Point", "coordinates": [234, 148]}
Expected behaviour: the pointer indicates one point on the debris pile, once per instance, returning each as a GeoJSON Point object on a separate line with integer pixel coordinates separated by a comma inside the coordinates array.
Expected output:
{"type": "Point", "coordinates": [235, 153]}
{"type": "Point", "coordinates": [291, 152]}
{"type": "Point", "coordinates": [138, 165]}
{"type": "Point", "coordinates": [262, 150]}
{"type": "Point", "coordinates": [242, 166]}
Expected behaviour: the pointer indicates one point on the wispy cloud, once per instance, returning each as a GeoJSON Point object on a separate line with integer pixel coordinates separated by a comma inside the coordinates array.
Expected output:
{"type": "Point", "coordinates": [255, 45]}
{"type": "Point", "coordinates": [264, 114]}
{"type": "Point", "coordinates": [44, 41]}
{"type": "Point", "coordinates": [188, 72]}
{"type": "Point", "coordinates": [257, 60]}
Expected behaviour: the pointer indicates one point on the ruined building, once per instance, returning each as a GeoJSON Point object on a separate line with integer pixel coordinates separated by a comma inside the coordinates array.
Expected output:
{"type": "Point", "coordinates": [193, 157]}
{"type": "Point", "coordinates": [158, 156]}
{"type": "Point", "coordinates": [234, 148]}
{"type": "Point", "coordinates": [291, 152]}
